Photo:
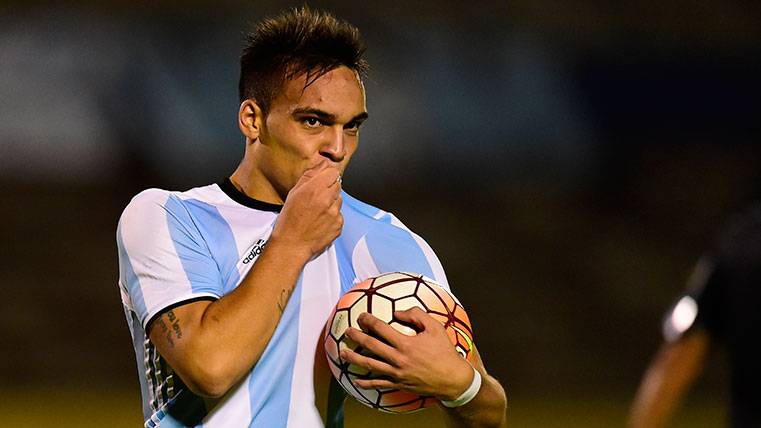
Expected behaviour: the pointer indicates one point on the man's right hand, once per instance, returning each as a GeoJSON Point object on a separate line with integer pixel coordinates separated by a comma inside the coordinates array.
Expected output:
{"type": "Point", "coordinates": [202, 340]}
{"type": "Point", "coordinates": [311, 217]}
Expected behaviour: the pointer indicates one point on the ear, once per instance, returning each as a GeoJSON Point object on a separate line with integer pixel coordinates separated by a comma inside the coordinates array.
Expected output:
{"type": "Point", "coordinates": [250, 120]}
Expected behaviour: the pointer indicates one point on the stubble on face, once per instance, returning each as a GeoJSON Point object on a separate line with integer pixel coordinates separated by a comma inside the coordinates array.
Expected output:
{"type": "Point", "coordinates": [290, 146]}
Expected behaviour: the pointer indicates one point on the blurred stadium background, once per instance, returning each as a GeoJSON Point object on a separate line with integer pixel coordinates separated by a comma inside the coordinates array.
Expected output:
{"type": "Point", "coordinates": [569, 161]}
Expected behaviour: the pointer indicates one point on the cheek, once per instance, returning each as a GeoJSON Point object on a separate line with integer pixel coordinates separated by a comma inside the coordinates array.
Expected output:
{"type": "Point", "coordinates": [351, 147]}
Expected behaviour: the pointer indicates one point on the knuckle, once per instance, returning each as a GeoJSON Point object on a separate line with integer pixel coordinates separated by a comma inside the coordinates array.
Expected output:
{"type": "Point", "coordinates": [365, 363]}
{"type": "Point", "coordinates": [401, 362]}
{"type": "Point", "coordinates": [362, 339]}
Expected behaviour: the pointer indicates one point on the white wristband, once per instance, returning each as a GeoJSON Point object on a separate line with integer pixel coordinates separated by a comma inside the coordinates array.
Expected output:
{"type": "Point", "coordinates": [469, 393]}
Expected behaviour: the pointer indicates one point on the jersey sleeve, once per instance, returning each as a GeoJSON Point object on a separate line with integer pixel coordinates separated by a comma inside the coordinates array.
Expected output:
{"type": "Point", "coordinates": [163, 259]}
{"type": "Point", "coordinates": [392, 247]}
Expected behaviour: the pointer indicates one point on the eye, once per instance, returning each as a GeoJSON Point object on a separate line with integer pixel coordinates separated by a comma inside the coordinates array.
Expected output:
{"type": "Point", "coordinates": [353, 127]}
{"type": "Point", "coordinates": [311, 122]}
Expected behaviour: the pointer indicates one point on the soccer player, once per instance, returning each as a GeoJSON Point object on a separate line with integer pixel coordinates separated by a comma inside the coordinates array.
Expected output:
{"type": "Point", "coordinates": [227, 287]}
{"type": "Point", "coordinates": [721, 308]}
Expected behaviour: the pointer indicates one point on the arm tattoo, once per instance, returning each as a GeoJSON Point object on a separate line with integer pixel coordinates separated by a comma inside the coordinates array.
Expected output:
{"type": "Point", "coordinates": [166, 332]}
{"type": "Point", "coordinates": [175, 327]}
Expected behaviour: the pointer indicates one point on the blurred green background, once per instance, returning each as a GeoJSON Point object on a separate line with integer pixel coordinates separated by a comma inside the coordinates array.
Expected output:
{"type": "Point", "coordinates": [568, 161]}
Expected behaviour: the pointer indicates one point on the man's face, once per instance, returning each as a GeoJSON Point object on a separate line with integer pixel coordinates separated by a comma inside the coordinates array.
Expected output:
{"type": "Point", "coordinates": [305, 126]}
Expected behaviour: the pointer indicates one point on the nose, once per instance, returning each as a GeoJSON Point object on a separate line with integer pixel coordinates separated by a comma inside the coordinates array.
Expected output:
{"type": "Point", "coordinates": [334, 147]}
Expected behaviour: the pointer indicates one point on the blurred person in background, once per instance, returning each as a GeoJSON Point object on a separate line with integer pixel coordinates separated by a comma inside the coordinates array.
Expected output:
{"type": "Point", "coordinates": [227, 287]}
{"type": "Point", "coordinates": [721, 307]}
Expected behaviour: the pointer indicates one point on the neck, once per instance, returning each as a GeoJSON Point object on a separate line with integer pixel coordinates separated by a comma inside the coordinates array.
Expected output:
{"type": "Point", "coordinates": [251, 180]}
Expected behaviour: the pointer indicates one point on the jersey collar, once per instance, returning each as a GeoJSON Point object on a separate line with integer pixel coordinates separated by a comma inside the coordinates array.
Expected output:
{"type": "Point", "coordinates": [236, 195]}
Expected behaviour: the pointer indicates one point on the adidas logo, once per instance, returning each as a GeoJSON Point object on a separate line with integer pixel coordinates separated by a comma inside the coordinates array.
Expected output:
{"type": "Point", "coordinates": [255, 251]}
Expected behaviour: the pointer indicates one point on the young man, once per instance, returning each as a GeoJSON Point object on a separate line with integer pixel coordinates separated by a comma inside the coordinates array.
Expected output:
{"type": "Point", "coordinates": [227, 287]}
{"type": "Point", "coordinates": [721, 309]}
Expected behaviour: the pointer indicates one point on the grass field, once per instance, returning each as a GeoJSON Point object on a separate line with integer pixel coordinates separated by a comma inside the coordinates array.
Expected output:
{"type": "Point", "coordinates": [64, 408]}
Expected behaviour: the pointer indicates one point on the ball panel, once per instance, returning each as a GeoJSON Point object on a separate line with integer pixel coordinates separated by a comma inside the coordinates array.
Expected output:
{"type": "Point", "coordinates": [444, 296]}
{"type": "Point", "coordinates": [350, 297]}
{"type": "Point", "coordinates": [331, 347]}
{"type": "Point", "coordinates": [431, 299]}
{"type": "Point", "coordinates": [387, 278]}
{"type": "Point", "coordinates": [348, 386]}
{"type": "Point", "coordinates": [408, 303]}
{"type": "Point", "coordinates": [408, 407]}
{"type": "Point", "coordinates": [340, 323]}
{"type": "Point", "coordinates": [397, 290]}
{"type": "Point", "coordinates": [382, 308]}
{"type": "Point", "coordinates": [397, 397]}
{"type": "Point", "coordinates": [439, 317]}
{"type": "Point", "coordinates": [462, 316]}
{"type": "Point", "coordinates": [359, 307]}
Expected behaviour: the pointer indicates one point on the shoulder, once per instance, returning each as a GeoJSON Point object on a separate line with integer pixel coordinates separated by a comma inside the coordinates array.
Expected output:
{"type": "Point", "coordinates": [146, 204]}
{"type": "Point", "coordinates": [155, 202]}
{"type": "Point", "coordinates": [154, 213]}
{"type": "Point", "coordinates": [359, 208]}
{"type": "Point", "coordinates": [373, 217]}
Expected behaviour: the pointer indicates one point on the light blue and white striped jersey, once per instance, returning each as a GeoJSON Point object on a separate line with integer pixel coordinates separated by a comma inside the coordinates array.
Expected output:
{"type": "Point", "coordinates": [177, 247]}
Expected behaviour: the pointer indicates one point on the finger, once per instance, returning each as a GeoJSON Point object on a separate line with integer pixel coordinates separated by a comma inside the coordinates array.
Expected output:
{"type": "Point", "coordinates": [325, 178]}
{"type": "Point", "coordinates": [315, 169]}
{"type": "Point", "coordinates": [338, 181]}
{"type": "Point", "coordinates": [417, 317]}
{"type": "Point", "coordinates": [311, 172]}
{"type": "Point", "coordinates": [373, 345]}
{"type": "Point", "coordinates": [331, 177]}
{"type": "Point", "coordinates": [375, 366]}
{"type": "Point", "coordinates": [371, 324]}
{"type": "Point", "coordinates": [377, 384]}
{"type": "Point", "coordinates": [338, 201]}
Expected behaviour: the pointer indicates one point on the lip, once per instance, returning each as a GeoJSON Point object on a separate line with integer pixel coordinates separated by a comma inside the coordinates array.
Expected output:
{"type": "Point", "coordinates": [336, 165]}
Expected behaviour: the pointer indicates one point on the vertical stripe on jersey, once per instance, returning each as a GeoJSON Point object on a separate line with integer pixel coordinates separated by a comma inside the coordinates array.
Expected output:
{"type": "Point", "coordinates": [192, 249]}
{"type": "Point", "coordinates": [394, 249]}
{"type": "Point", "coordinates": [222, 247]}
{"type": "Point", "coordinates": [316, 303]}
{"type": "Point", "coordinates": [127, 274]}
{"type": "Point", "coordinates": [438, 270]}
{"type": "Point", "coordinates": [234, 410]}
{"type": "Point", "coordinates": [270, 382]}
{"type": "Point", "coordinates": [361, 217]}
{"type": "Point", "coordinates": [362, 262]}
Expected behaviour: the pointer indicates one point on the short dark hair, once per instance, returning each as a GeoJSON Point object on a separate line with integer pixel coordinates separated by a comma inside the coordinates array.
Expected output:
{"type": "Point", "coordinates": [296, 42]}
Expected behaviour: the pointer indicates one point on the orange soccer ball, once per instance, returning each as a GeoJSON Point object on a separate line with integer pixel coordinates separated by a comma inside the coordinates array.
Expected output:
{"type": "Point", "coordinates": [381, 296]}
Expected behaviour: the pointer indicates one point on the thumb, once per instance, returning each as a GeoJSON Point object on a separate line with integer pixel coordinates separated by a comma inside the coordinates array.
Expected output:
{"type": "Point", "coordinates": [312, 171]}
{"type": "Point", "coordinates": [316, 168]}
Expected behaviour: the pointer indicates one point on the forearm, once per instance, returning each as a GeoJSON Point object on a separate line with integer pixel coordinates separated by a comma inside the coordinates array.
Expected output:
{"type": "Point", "coordinates": [487, 409]}
{"type": "Point", "coordinates": [674, 369]}
{"type": "Point", "coordinates": [214, 347]}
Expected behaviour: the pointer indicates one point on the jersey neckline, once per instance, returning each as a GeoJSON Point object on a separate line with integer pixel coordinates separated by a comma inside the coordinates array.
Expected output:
{"type": "Point", "coordinates": [236, 195]}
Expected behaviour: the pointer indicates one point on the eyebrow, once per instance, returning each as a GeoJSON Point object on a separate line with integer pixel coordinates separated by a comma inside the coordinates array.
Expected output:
{"type": "Point", "coordinates": [325, 116]}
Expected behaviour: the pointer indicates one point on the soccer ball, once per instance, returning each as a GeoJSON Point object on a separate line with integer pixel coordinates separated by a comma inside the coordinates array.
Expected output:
{"type": "Point", "coordinates": [381, 296]}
